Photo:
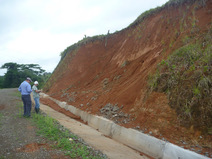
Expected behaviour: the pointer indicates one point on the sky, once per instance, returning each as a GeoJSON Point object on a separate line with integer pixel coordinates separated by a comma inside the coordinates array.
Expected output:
{"type": "Point", "coordinates": [37, 31]}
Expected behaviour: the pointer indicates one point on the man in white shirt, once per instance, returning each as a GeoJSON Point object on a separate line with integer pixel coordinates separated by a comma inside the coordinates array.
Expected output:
{"type": "Point", "coordinates": [36, 96]}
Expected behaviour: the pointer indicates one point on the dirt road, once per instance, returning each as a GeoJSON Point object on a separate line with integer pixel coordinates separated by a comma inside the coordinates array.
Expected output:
{"type": "Point", "coordinates": [18, 139]}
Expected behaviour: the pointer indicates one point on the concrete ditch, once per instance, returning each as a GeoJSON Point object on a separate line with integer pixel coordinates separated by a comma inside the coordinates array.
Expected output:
{"type": "Point", "coordinates": [139, 141]}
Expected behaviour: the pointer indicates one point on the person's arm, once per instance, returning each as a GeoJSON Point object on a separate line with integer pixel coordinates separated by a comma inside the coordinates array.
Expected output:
{"type": "Point", "coordinates": [37, 91]}
{"type": "Point", "coordinates": [19, 89]}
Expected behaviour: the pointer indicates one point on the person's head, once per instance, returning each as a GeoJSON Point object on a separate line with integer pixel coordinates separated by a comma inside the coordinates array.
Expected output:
{"type": "Point", "coordinates": [36, 83]}
{"type": "Point", "coordinates": [28, 80]}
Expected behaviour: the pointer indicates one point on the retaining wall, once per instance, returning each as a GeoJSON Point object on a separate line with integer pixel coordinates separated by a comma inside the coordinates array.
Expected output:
{"type": "Point", "coordinates": [139, 141]}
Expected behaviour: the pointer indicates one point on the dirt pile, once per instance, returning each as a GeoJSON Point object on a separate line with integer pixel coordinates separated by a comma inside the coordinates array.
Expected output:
{"type": "Point", "coordinates": [115, 69]}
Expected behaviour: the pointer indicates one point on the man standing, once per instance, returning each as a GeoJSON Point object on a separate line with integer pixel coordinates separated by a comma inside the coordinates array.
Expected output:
{"type": "Point", "coordinates": [36, 96]}
{"type": "Point", "coordinates": [25, 89]}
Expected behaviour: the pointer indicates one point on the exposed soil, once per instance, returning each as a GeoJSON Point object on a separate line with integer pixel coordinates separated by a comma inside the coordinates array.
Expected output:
{"type": "Point", "coordinates": [18, 139]}
{"type": "Point", "coordinates": [116, 69]}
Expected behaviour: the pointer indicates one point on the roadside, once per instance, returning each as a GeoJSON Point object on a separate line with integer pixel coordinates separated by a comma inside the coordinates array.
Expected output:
{"type": "Point", "coordinates": [19, 136]}
{"type": "Point", "coordinates": [110, 147]}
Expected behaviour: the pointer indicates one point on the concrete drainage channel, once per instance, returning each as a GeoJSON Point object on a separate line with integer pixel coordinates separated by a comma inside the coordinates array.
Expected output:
{"type": "Point", "coordinates": [139, 141]}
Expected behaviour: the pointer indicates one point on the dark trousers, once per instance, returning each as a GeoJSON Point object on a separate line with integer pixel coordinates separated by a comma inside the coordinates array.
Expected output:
{"type": "Point", "coordinates": [27, 105]}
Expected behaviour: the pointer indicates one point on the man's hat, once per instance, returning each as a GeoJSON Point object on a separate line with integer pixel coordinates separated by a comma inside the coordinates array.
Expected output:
{"type": "Point", "coordinates": [29, 79]}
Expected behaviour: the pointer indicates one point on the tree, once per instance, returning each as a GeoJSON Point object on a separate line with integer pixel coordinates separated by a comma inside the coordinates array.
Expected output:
{"type": "Point", "coordinates": [11, 78]}
{"type": "Point", "coordinates": [16, 73]}
{"type": "Point", "coordinates": [1, 81]}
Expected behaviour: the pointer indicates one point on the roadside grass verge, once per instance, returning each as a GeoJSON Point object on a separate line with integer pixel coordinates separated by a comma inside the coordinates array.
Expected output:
{"type": "Point", "coordinates": [64, 140]}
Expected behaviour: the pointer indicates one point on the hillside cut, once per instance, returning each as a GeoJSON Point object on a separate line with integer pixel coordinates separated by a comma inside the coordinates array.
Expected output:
{"type": "Point", "coordinates": [111, 75]}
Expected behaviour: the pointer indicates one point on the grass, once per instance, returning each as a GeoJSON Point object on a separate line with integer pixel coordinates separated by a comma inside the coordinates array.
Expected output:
{"type": "Point", "coordinates": [64, 139]}
{"type": "Point", "coordinates": [50, 129]}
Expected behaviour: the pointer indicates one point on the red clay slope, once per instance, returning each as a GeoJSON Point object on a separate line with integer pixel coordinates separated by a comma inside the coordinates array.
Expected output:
{"type": "Point", "coordinates": [115, 70]}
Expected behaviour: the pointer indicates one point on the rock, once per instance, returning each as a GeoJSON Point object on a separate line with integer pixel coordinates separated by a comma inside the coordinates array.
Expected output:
{"type": "Point", "coordinates": [115, 115]}
{"type": "Point", "coordinates": [115, 108]}
{"type": "Point", "coordinates": [206, 154]}
{"type": "Point", "coordinates": [81, 105]}
{"type": "Point", "coordinates": [94, 98]}
{"type": "Point", "coordinates": [137, 127]}
{"type": "Point", "coordinates": [105, 83]}
{"type": "Point", "coordinates": [126, 115]}
{"type": "Point", "coordinates": [71, 99]}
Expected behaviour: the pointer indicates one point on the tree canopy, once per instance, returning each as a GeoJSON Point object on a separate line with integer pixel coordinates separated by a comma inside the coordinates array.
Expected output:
{"type": "Point", "coordinates": [16, 73]}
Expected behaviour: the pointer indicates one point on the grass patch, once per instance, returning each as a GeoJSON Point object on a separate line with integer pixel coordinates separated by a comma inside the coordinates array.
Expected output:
{"type": "Point", "coordinates": [64, 139]}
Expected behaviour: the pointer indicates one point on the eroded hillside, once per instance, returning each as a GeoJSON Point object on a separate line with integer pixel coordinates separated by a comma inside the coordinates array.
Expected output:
{"type": "Point", "coordinates": [109, 75]}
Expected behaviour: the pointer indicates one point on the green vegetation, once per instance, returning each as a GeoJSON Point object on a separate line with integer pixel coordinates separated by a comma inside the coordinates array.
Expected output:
{"type": "Point", "coordinates": [186, 77]}
{"type": "Point", "coordinates": [17, 73]}
{"type": "Point", "coordinates": [1, 81]}
{"type": "Point", "coordinates": [49, 128]}
{"type": "Point", "coordinates": [170, 3]}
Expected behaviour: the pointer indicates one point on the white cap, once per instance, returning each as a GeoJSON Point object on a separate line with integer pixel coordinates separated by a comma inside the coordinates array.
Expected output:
{"type": "Point", "coordinates": [36, 82]}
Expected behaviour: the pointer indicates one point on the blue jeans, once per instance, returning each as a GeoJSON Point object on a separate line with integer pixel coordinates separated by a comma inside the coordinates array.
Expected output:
{"type": "Point", "coordinates": [37, 104]}
{"type": "Point", "coordinates": [27, 105]}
